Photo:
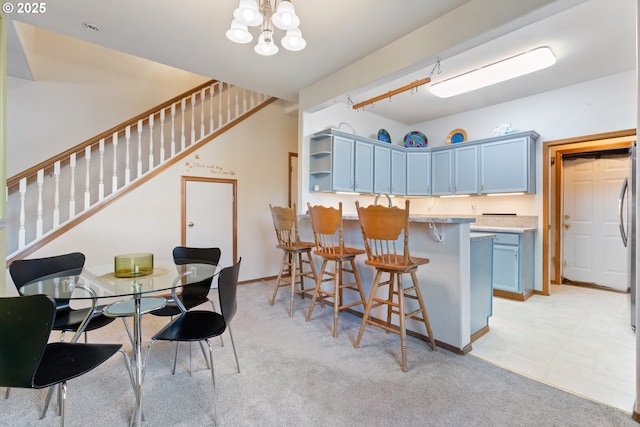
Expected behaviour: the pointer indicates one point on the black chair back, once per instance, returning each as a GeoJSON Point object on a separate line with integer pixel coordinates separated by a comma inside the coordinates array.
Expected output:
{"type": "Point", "coordinates": [227, 291]}
{"type": "Point", "coordinates": [185, 255]}
{"type": "Point", "coordinates": [24, 271]}
{"type": "Point", "coordinates": [25, 326]}
{"type": "Point", "coordinates": [196, 292]}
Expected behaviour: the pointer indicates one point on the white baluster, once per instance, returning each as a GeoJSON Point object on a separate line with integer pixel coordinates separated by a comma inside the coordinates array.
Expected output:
{"type": "Point", "coordinates": [21, 230]}
{"type": "Point", "coordinates": [202, 98]}
{"type": "Point", "coordinates": [244, 101]}
{"type": "Point", "coordinates": [183, 107]}
{"type": "Point", "coordinates": [211, 93]}
{"type": "Point", "coordinates": [101, 182]}
{"type": "Point", "coordinates": [193, 118]}
{"type": "Point", "coordinates": [72, 188]}
{"type": "Point", "coordinates": [220, 104]}
{"type": "Point", "coordinates": [151, 164]}
{"type": "Point", "coordinates": [114, 178]}
{"type": "Point", "coordinates": [228, 103]}
{"type": "Point", "coordinates": [253, 99]}
{"type": "Point", "coordinates": [162, 136]}
{"type": "Point", "coordinates": [56, 194]}
{"type": "Point", "coordinates": [40, 181]}
{"type": "Point", "coordinates": [139, 149]}
{"type": "Point", "coordinates": [173, 130]}
{"type": "Point", "coordinates": [127, 156]}
{"type": "Point", "coordinates": [87, 178]}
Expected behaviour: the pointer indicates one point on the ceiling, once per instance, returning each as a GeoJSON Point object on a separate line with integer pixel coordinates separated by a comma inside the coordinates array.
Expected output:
{"type": "Point", "coordinates": [590, 39]}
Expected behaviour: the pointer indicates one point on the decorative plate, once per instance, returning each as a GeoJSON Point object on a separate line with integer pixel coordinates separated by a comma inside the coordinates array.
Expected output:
{"type": "Point", "coordinates": [456, 136]}
{"type": "Point", "coordinates": [415, 139]}
{"type": "Point", "coordinates": [384, 136]}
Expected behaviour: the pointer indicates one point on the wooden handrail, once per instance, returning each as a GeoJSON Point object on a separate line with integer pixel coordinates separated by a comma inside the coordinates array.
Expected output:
{"type": "Point", "coordinates": [47, 165]}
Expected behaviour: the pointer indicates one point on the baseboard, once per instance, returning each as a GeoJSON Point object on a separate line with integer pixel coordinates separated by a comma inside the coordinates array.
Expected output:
{"type": "Point", "coordinates": [481, 332]}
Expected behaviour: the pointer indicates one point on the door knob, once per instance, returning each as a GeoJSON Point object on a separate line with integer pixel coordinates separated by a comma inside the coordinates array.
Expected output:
{"type": "Point", "coordinates": [567, 217]}
{"type": "Point", "coordinates": [567, 226]}
{"type": "Point", "coordinates": [190, 224]}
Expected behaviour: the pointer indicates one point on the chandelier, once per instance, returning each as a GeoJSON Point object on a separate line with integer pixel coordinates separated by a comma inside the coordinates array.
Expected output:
{"type": "Point", "coordinates": [250, 14]}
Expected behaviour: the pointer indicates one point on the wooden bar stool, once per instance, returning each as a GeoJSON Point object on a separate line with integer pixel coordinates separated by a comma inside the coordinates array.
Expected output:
{"type": "Point", "coordinates": [381, 231]}
{"type": "Point", "coordinates": [327, 232]}
{"type": "Point", "coordinates": [296, 254]}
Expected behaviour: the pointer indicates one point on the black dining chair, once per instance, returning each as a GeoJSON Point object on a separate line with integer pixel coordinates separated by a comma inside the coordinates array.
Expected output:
{"type": "Point", "coordinates": [27, 360]}
{"type": "Point", "coordinates": [201, 325]}
{"type": "Point", "coordinates": [67, 319]}
{"type": "Point", "coordinates": [197, 293]}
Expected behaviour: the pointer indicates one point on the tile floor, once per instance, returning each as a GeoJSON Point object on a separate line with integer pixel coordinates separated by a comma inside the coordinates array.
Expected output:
{"type": "Point", "coordinates": [577, 339]}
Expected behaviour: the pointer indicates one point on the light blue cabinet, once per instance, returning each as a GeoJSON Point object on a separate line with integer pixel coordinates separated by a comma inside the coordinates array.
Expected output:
{"type": "Point", "coordinates": [465, 167]}
{"type": "Point", "coordinates": [418, 173]}
{"type": "Point", "coordinates": [382, 170]}
{"type": "Point", "coordinates": [442, 172]}
{"type": "Point", "coordinates": [454, 171]}
{"type": "Point", "coordinates": [398, 172]}
{"type": "Point", "coordinates": [339, 163]}
{"type": "Point", "coordinates": [508, 166]}
{"type": "Point", "coordinates": [363, 172]}
{"type": "Point", "coordinates": [513, 265]}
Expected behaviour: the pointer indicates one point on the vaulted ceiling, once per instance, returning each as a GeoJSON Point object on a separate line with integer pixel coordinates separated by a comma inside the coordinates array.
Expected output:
{"type": "Point", "coordinates": [590, 39]}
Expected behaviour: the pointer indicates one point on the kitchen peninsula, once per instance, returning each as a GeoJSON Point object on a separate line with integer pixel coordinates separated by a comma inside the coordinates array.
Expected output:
{"type": "Point", "coordinates": [445, 282]}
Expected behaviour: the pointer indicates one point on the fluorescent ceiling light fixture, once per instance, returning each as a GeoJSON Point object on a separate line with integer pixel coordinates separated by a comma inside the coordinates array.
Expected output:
{"type": "Point", "coordinates": [507, 69]}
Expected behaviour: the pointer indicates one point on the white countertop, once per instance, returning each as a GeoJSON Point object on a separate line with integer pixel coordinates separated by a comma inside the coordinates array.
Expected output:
{"type": "Point", "coordinates": [475, 236]}
{"type": "Point", "coordinates": [502, 229]}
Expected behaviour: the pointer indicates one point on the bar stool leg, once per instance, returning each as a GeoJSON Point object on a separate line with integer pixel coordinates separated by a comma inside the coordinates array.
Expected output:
{"type": "Point", "coordinates": [392, 283]}
{"type": "Point", "coordinates": [337, 295]}
{"type": "Point", "coordinates": [292, 269]}
{"type": "Point", "coordinates": [424, 310]}
{"type": "Point", "coordinates": [317, 289]}
{"type": "Point", "coordinates": [403, 330]}
{"type": "Point", "coordinates": [356, 276]}
{"type": "Point", "coordinates": [282, 266]}
{"type": "Point", "coordinates": [367, 309]}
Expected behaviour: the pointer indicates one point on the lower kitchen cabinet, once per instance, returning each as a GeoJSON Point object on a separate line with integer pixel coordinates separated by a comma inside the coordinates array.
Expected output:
{"type": "Point", "coordinates": [481, 299]}
{"type": "Point", "coordinates": [513, 265]}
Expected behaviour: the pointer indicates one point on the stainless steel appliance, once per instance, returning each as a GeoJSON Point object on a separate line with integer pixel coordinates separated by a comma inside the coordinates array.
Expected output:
{"type": "Point", "coordinates": [627, 205]}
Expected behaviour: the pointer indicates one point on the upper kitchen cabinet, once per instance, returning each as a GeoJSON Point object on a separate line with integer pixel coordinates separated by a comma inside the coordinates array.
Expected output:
{"type": "Point", "coordinates": [390, 170]}
{"type": "Point", "coordinates": [418, 172]}
{"type": "Point", "coordinates": [340, 163]}
{"type": "Point", "coordinates": [507, 164]}
{"type": "Point", "coordinates": [454, 171]}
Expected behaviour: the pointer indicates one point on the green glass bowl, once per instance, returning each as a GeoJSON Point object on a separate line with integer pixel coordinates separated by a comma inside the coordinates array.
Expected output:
{"type": "Point", "coordinates": [133, 265]}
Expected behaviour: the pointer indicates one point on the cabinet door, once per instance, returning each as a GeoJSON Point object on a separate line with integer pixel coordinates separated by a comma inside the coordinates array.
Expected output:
{"type": "Point", "coordinates": [506, 268]}
{"type": "Point", "coordinates": [505, 166]}
{"type": "Point", "coordinates": [466, 170]}
{"type": "Point", "coordinates": [363, 167]}
{"type": "Point", "coordinates": [441, 172]}
{"type": "Point", "coordinates": [398, 172]}
{"type": "Point", "coordinates": [343, 164]}
{"type": "Point", "coordinates": [382, 170]}
{"type": "Point", "coordinates": [418, 174]}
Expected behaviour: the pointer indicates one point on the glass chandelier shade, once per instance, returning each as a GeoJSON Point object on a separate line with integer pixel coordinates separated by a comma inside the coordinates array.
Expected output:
{"type": "Point", "coordinates": [251, 14]}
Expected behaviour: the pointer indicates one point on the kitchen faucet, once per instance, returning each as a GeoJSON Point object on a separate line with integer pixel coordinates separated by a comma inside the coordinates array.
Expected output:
{"type": "Point", "coordinates": [375, 202]}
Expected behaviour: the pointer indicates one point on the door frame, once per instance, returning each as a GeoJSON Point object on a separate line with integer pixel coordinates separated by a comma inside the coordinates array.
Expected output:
{"type": "Point", "coordinates": [552, 152]}
{"type": "Point", "coordinates": [183, 213]}
{"type": "Point", "coordinates": [292, 156]}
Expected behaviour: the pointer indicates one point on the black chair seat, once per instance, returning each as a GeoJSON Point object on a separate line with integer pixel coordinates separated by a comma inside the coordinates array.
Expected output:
{"type": "Point", "coordinates": [194, 325]}
{"type": "Point", "coordinates": [172, 309]}
{"type": "Point", "coordinates": [63, 361]}
{"type": "Point", "coordinates": [69, 321]}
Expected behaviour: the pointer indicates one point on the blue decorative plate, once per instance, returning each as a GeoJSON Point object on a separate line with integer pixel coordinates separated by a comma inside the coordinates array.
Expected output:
{"type": "Point", "coordinates": [384, 136]}
{"type": "Point", "coordinates": [456, 136]}
{"type": "Point", "coordinates": [415, 139]}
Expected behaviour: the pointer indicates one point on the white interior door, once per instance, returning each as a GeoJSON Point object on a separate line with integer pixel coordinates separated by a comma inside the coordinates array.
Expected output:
{"type": "Point", "coordinates": [209, 216]}
{"type": "Point", "coordinates": [593, 251]}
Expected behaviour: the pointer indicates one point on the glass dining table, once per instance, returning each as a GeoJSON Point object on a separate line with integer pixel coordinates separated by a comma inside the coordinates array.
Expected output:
{"type": "Point", "coordinates": [131, 296]}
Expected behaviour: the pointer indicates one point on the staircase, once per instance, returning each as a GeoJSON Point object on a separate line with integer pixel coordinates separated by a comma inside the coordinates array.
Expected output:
{"type": "Point", "coordinates": [55, 195]}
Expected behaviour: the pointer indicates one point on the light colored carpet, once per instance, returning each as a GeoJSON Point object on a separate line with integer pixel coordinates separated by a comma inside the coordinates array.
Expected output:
{"type": "Point", "coordinates": [295, 374]}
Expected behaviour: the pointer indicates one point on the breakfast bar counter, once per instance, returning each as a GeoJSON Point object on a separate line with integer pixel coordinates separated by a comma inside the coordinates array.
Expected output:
{"type": "Point", "coordinates": [444, 282]}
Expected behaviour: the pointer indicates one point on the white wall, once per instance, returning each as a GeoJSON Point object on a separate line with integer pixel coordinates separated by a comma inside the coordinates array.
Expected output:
{"type": "Point", "coordinates": [254, 153]}
{"type": "Point", "coordinates": [79, 90]}
{"type": "Point", "coordinates": [602, 105]}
